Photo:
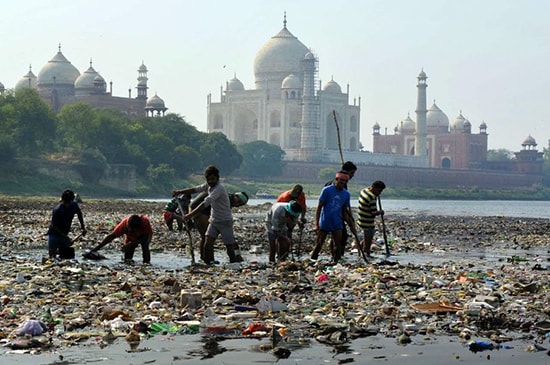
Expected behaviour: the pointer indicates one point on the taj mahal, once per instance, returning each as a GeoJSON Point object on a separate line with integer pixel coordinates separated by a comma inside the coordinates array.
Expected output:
{"type": "Point", "coordinates": [289, 107]}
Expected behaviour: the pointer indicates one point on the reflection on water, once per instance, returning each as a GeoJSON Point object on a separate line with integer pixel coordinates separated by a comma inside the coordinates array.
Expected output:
{"type": "Point", "coordinates": [210, 348]}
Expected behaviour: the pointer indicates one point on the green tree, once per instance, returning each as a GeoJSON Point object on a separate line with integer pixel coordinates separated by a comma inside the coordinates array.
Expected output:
{"type": "Point", "coordinates": [76, 123]}
{"type": "Point", "coordinates": [185, 160]}
{"type": "Point", "coordinates": [501, 154]}
{"type": "Point", "coordinates": [261, 159]}
{"type": "Point", "coordinates": [91, 165]}
{"type": "Point", "coordinates": [217, 150]}
{"type": "Point", "coordinates": [161, 175]}
{"type": "Point", "coordinates": [34, 132]}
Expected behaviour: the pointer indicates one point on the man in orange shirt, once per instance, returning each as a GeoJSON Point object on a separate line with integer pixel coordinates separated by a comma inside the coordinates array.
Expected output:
{"type": "Point", "coordinates": [138, 231]}
{"type": "Point", "coordinates": [297, 194]}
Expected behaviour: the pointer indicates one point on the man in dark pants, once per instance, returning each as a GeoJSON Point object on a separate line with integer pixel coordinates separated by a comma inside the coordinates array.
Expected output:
{"type": "Point", "coordinates": [138, 231]}
{"type": "Point", "coordinates": [349, 168]}
{"type": "Point", "coordinates": [58, 232]}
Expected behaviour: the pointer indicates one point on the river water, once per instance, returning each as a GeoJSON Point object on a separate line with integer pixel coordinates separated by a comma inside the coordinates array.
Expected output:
{"type": "Point", "coordinates": [485, 208]}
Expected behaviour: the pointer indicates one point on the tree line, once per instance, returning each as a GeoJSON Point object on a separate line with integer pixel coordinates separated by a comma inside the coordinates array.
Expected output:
{"type": "Point", "coordinates": [161, 148]}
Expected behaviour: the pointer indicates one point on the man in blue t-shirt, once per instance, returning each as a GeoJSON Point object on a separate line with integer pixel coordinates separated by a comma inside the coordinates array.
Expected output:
{"type": "Point", "coordinates": [334, 205]}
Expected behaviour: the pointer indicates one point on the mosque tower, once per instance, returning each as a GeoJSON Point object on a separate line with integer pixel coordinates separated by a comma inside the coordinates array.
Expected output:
{"type": "Point", "coordinates": [421, 116]}
{"type": "Point", "coordinates": [142, 82]}
{"type": "Point", "coordinates": [310, 126]}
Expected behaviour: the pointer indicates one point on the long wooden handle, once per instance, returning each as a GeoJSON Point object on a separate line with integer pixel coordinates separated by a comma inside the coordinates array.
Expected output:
{"type": "Point", "coordinates": [383, 227]}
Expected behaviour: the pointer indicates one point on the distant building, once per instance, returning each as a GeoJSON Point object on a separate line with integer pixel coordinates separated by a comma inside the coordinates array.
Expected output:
{"type": "Point", "coordinates": [60, 83]}
{"type": "Point", "coordinates": [446, 145]}
{"type": "Point", "coordinates": [287, 106]}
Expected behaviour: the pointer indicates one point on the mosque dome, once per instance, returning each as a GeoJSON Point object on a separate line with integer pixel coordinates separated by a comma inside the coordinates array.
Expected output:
{"type": "Point", "coordinates": [529, 141]}
{"type": "Point", "coordinates": [85, 82]}
{"type": "Point", "coordinates": [278, 57]}
{"type": "Point", "coordinates": [60, 69]}
{"type": "Point", "coordinates": [458, 123]}
{"type": "Point", "coordinates": [407, 124]}
{"type": "Point", "coordinates": [436, 118]}
{"type": "Point", "coordinates": [292, 82]}
{"type": "Point", "coordinates": [332, 87]}
{"type": "Point", "coordinates": [29, 80]}
{"type": "Point", "coordinates": [154, 102]}
{"type": "Point", "coordinates": [235, 85]}
{"type": "Point", "coordinates": [483, 125]}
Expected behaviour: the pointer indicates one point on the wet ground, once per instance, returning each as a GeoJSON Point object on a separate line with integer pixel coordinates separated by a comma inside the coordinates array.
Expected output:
{"type": "Point", "coordinates": [353, 312]}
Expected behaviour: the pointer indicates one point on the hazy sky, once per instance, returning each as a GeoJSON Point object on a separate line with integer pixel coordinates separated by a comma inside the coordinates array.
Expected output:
{"type": "Point", "coordinates": [489, 59]}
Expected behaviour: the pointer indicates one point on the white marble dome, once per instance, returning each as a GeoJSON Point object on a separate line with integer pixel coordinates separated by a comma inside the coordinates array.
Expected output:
{"type": "Point", "coordinates": [29, 80]}
{"type": "Point", "coordinates": [278, 57]}
{"type": "Point", "coordinates": [332, 87]}
{"type": "Point", "coordinates": [154, 102]}
{"type": "Point", "coordinates": [292, 82]}
{"type": "Point", "coordinates": [529, 141]}
{"type": "Point", "coordinates": [458, 123]}
{"type": "Point", "coordinates": [235, 85]}
{"type": "Point", "coordinates": [407, 124]}
{"type": "Point", "coordinates": [436, 118]}
{"type": "Point", "coordinates": [85, 81]}
{"type": "Point", "coordinates": [58, 70]}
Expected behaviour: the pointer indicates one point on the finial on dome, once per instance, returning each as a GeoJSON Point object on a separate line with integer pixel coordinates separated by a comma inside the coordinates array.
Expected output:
{"type": "Point", "coordinates": [59, 47]}
{"type": "Point", "coordinates": [90, 61]}
{"type": "Point", "coordinates": [284, 21]}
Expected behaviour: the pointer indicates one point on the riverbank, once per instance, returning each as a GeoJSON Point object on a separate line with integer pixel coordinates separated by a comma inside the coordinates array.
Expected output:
{"type": "Point", "coordinates": [450, 281]}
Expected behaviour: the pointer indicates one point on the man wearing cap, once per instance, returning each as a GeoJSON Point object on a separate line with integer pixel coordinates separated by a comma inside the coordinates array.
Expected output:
{"type": "Point", "coordinates": [278, 218]}
{"type": "Point", "coordinates": [349, 168]}
{"type": "Point", "coordinates": [334, 205]}
{"type": "Point", "coordinates": [297, 194]}
{"type": "Point", "coordinates": [367, 211]}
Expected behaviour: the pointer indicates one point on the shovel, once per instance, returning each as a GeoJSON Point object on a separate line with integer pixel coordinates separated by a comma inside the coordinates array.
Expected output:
{"type": "Point", "coordinates": [188, 230]}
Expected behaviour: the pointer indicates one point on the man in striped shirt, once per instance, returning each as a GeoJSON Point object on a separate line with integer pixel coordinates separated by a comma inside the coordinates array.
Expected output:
{"type": "Point", "coordinates": [367, 211]}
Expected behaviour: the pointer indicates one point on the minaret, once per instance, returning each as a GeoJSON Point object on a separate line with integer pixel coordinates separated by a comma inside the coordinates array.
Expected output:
{"type": "Point", "coordinates": [308, 143]}
{"type": "Point", "coordinates": [142, 82]}
{"type": "Point", "coordinates": [421, 112]}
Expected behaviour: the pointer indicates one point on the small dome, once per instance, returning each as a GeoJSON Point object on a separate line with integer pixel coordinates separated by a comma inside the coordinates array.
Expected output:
{"type": "Point", "coordinates": [154, 102]}
{"type": "Point", "coordinates": [436, 118]}
{"type": "Point", "coordinates": [376, 126]}
{"type": "Point", "coordinates": [235, 85]}
{"type": "Point", "coordinates": [483, 125]}
{"type": "Point", "coordinates": [458, 123]}
{"type": "Point", "coordinates": [332, 87]}
{"type": "Point", "coordinates": [58, 70]}
{"type": "Point", "coordinates": [142, 68]}
{"type": "Point", "coordinates": [29, 80]}
{"type": "Point", "coordinates": [407, 124]}
{"type": "Point", "coordinates": [467, 124]}
{"type": "Point", "coordinates": [422, 75]}
{"type": "Point", "coordinates": [529, 141]}
{"type": "Point", "coordinates": [86, 79]}
{"type": "Point", "coordinates": [291, 82]}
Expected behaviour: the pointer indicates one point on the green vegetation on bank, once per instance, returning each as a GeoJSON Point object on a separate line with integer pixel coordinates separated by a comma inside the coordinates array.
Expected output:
{"type": "Point", "coordinates": [25, 183]}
